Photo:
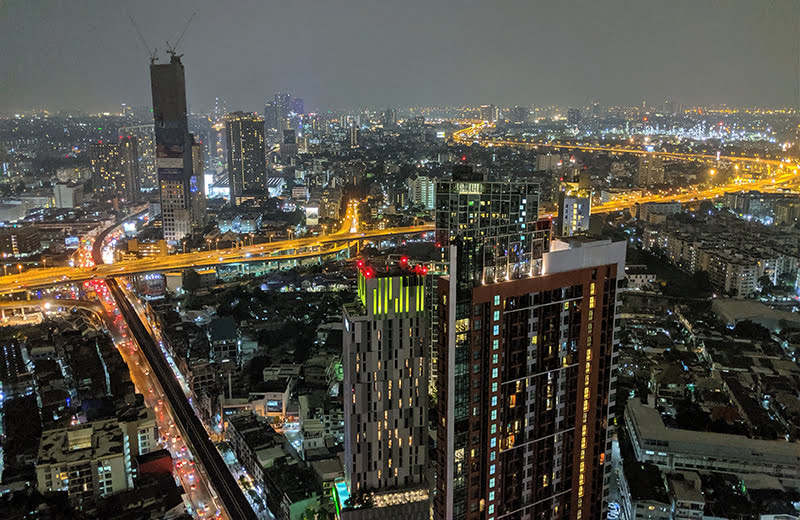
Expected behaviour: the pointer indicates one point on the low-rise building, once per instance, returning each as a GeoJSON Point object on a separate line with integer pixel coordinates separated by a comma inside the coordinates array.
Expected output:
{"type": "Point", "coordinates": [20, 241]}
{"type": "Point", "coordinates": [223, 338]}
{"type": "Point", "coordinates": [84, 461]}
{"type": "Point", "coordinates": [639, 276]}
{"type": "Point", "coordinates": [676, 449]}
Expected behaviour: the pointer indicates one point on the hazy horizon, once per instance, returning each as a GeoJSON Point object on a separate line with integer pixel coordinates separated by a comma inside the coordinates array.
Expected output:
{"type": "Point", "coordinates": [87, 56]}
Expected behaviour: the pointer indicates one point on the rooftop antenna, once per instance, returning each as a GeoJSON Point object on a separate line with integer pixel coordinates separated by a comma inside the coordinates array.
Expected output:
{"type": "Point", "coordinates": [153, 53]}
{"type": "Point", "coordinates": [171, 49]}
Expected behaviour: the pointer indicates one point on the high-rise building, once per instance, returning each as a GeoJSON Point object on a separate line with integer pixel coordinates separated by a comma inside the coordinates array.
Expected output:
{"type": "Point", "coordinates": [574, 207]}
{"type": "Point", "coordinates": [520, 114]}
{"type": "Point", "coordinates": [650, 171]}
{"type": "Point", "coordinates": [422, 192]}
{"type": "Point", "coordinates": [130, 177]}
{"type": "Point", "coordinates": [390, 117]}
{"type": "Point", "coordinates": [298, 106]}
{"type": "Point", "coordinates": [524, 387]}
{"type": "Point", "coordinates": [283, 105]}
{"type": "Point", "coordinates": [115, 169]}
{"type": "Point", "coordinates": [353, 134]}
{"type": "Point", "coordinates": [487, 232]}
{"type": "Point", "coordinates": [288, 146]}
{"type": "Point", "coordinates": [573, 116]}
{"type": "Point", "coordinates": [489, 113]}
{"type": "Point", "coordinates": [271, 120]}
{"type": "Point", "coordinates": [385, 364]}
{"type": "Point", "coordinates": [174, 161]}
{"type": "Point", "coordinates": [106, 169]}
{"type": "Point", "coordinates": [197, 185]}
{"type": "Point", "coordinates": [495, 224]}
{"type": "Point", "coordinates": [247, 162]}
{"type": "Point", "coordinates": [146, 142]}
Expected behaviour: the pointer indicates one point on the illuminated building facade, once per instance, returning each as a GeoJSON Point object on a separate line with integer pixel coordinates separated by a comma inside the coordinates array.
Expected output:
{"type": "Point", "coordinates": [385, 381]}
{"type": "Point", "coordinates": [525, 376]}
{"type": "Point", "coordinates": [574, 209]}
{"type": "Point", "coordinates": [247, 163]}
{"type": "Point", "coordinates": [129, 181]}
{"type": "Point", "coordinates": [146, 142]}
{"type": "Point", "coordinates": [105, 162]}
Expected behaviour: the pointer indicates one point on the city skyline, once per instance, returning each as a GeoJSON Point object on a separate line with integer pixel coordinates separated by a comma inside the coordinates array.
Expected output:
{"type": "Point", "coordinates": [459, 268]}
{"type": "Point", "coordinates": [685, 52]}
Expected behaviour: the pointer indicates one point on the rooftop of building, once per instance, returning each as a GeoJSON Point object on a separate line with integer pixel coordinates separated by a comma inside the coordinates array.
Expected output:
{"type": "Point", "coordinates": [223, 329]}
{"type": "Point", "coordinates": [83, 442]}
{"type": "Point", "coordinates": [651, 426]}
{"type": "Point", "coordinates": [685, 486]}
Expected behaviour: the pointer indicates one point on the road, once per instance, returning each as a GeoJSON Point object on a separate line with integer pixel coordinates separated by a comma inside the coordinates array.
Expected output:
{"type": "Point", "coordinates": [233, 501]}
{"type": "Point", "coordinates": [331, 244]}
{"type": "Point", "coordinates": [471, 135]}
{"type": "Point", "coordinates": [786, 176]}
{"type": "Point", "coordinates": [99, 242]}
{"type": "Point", "coordinates": [280, 251]}
{"type": "Point", "coordinates": [200, 496]}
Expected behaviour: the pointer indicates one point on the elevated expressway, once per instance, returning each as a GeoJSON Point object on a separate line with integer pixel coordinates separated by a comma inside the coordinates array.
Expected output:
{"type": "Point", "coordinates": [784, 172]}
{"type": "Point", "coordinates": [286, 252]}
{"type": "Point", "coordinates": [471, 134]}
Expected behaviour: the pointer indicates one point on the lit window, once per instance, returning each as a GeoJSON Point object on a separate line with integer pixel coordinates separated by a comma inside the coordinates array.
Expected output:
{"type": "Point", "coordinates": [491, 469]}
{"type": "Point", "coordinates": [497, 299]}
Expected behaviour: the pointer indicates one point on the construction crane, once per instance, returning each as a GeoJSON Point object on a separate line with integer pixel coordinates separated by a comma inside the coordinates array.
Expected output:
{"type": "Point", "coordinates": [153, 53]}
{"type": "Point", "coordinates": [171, 49]}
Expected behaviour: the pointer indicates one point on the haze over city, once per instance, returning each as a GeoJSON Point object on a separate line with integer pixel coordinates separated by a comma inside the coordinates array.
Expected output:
{"type": "Point", "coordinates": [420, 260]}
{"type": "Point", "coordinates": [86, 55]}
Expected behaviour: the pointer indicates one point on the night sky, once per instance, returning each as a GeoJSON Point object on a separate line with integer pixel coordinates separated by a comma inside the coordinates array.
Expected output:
{"type": "Point", "coordinates": [85, 54]}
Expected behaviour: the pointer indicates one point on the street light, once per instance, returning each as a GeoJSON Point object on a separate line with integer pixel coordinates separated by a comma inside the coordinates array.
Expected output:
{"type": "Point", "coordinates": [19, 266]}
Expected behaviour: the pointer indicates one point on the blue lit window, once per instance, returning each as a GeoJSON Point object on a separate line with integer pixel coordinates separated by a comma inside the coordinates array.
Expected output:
{"type": "Point", "coordinates": [493, 455]}
{"type": "Point", "coordinates": [494, 415]}
{"type": "Point", "coordinates": [491, 508]}
{"type": "Point", "coordinates": [494, 387]}
{"type": "Point", "coordinates": [497, 299]}
{"type": "Point", "coordinates": [491, 495]}
{"type": "Point", "coordinates": [494, 372]}
{"type": "Point", "coordinates": [494, 358]}
{"type": "Point", "coordinates": [496, 330]}
{"type": "Point", "coordinates": [494, 400]}
{"type": "Point", "coordinates": [491, 482]}
{"type": "Point", "coordinates": [496, 315]}
{"type": "Point", "coordinates": [491, 469]}
{"type": "Point", "coordinates": [495, 344]}
{"type": "Point", "coordinates": [493, 442]}
{"type": "Point", "coordinates": [494, 429]}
